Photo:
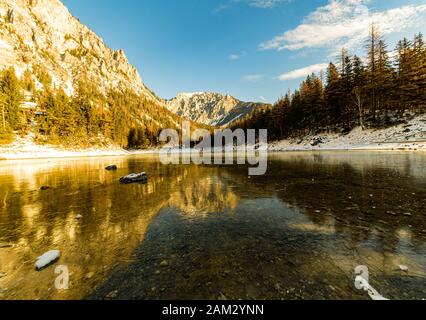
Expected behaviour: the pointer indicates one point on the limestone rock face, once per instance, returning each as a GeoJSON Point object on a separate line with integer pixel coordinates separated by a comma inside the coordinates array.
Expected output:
{"type": "Point", "coordinates": [211, 108]}
{"type": "Point", "coordinates": [44, 33]}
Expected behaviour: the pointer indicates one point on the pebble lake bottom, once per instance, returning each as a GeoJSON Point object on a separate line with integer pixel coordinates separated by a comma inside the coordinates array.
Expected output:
{"type": "Point", "coordinates": [211, 232]}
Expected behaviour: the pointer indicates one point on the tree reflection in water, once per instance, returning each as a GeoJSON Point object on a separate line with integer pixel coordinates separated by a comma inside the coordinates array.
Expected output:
{"type": "Point", "coordinates": [297, 232]}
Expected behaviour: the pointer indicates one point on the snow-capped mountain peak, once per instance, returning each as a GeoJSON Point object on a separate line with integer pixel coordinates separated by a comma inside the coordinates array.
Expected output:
{"type": "Point", "coordinates": [210, 108]}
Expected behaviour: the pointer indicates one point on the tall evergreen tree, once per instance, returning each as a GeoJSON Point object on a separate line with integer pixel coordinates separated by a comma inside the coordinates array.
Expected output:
{"type": "Point", "coordinates": [10, 99]}
{"type": "Point", "coordinates": [333, 91]}
{"type": "Point", "coordinates": [373, 56]}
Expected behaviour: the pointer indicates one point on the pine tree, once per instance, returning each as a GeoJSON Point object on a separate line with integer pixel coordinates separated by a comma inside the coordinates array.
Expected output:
{"type": "Point", "coordinates": [405, 89]}
{"type": "Point", "coordinates": [333, 92]}
{"type": "Point", "coordinates": [384, 77]}
{"type": "Point", "coordinates": [372, 47]}
{"type": "Point", "coordinates": [10, 99]}
{"type": "Point", "coordinates": [28, 82]}
{"type": "Point", "coordinates": [418, 74]}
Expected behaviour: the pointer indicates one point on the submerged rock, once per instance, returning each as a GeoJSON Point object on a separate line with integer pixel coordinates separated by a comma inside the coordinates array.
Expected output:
{"type": "Point", "coordinates": [403, 268]}
{"type": "Point", "coordinates": [44, 188]}
{"type": "Point", "coordinates": [47, 259]}
{"type": "Point", "coordinates": [134, 177]}
{"type": "Point", "coordinates": [112, 294]}
{"type": "Point", "coordinates": [111, 168]}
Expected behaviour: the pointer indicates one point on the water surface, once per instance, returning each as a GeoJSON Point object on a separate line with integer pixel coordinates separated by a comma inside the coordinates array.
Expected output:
{"type": "Point", "coordinates": [208, 232]}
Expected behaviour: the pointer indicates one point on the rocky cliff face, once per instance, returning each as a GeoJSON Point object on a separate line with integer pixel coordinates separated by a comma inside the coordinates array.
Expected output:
{"type": "Point", "coordinates": [43, 32]}
{"type": "Point", "coordinates": [211, 108]}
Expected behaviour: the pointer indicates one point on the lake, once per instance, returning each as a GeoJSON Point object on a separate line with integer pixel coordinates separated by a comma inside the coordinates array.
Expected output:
{"type": "Point", "coordinates": [213, 232]}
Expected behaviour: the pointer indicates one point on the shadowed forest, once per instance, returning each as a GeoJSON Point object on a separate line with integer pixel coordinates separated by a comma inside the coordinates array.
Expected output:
{"type": "Point", "coordinates": [388, 88]}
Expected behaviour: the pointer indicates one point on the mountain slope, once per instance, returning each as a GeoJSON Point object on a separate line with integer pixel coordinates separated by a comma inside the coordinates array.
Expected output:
{"type": "Point", "coordinates": [211, 108]}
{"type": "Point", "coordinates": [43, 32]}
{"type": "Point", "coordinates": [53, 53]}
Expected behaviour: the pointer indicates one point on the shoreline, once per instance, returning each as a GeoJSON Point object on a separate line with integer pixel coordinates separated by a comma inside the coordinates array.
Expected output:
{"type": "Point", "coordinates": [413, 147]}
{"type": "Point", "coordinates": [274, 148]}
{"type": "Point", "coordinates": [405, 137]}
{"type": "Point", "coordinates": [68, 154]}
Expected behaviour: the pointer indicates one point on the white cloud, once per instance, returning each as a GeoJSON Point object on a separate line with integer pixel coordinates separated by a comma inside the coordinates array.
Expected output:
{"type": "Point", "coordinates": [345, 23]}
{"type": "Point", "coordinates": [253, 77]}
{"type": "Point", "coordinates": [264, 3]}
{"type": "Point", "coordinates": [222, 7]}
{"type": "Point", "coordinates": [303, 72]}
{"type": "Point", "coordinates": [234, 56]}
{"type": "Point", "coordinates": [237, 56]}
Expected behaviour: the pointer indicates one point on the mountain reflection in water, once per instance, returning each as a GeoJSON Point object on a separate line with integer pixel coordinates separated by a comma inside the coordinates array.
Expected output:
{"type": "Point", "coordinates": [211, 231]}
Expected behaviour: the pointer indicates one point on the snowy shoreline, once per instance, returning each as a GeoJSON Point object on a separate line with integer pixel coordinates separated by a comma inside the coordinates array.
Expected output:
{"type": "Point", "coordinates": [58, 153]}
{"type": "Point", "coordinates": [406, 137]}
{"type": "Point", "coordinates": [24, 148]}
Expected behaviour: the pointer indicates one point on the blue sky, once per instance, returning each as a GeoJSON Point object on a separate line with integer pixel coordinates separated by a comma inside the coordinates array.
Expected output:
{"type": "Point", "coordinates": [254, 50]}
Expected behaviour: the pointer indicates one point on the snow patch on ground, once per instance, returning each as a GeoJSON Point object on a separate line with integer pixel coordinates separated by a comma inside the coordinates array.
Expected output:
{"type": "Point", "coordinates": [26, 148]}
{"type": "Point", "coordinates": [411, 136]}
{"type": "Point", "coordinates": [5, 45]}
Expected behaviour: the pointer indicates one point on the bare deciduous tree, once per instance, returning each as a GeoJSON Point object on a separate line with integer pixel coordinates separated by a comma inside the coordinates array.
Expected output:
{"type": "Point", "coordinates": [358, 98]}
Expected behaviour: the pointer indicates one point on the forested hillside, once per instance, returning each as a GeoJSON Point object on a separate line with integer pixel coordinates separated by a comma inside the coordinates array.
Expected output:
{"type": "Point", "coordinates": [86, 118]}
{"type": "Point", "coordinates": [385, 88]}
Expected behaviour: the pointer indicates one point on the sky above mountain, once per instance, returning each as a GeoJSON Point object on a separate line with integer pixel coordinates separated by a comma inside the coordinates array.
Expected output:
{"type": "Point", "coordinates": [255, 50]}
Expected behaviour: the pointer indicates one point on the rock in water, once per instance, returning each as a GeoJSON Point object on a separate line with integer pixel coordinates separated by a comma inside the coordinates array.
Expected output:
{"type": "Point", "coordinates": [44, 188]}
{"type": "Point", "coordinates": [111, 168]}
{"type": "Point", "coordinates": [134, 177]}
{"type": "Point", "coordinates": [47, 259]}
{"type": "Point", "coordinates": [403, 268]}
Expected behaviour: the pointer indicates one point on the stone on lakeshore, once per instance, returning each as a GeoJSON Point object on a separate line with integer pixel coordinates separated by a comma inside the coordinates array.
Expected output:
{"type": "Point", "coordinates": [316, 142]}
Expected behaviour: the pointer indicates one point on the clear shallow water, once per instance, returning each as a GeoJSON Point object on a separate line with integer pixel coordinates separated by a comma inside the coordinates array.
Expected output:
{"type": "Point", "coordinates": [207, 232]}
